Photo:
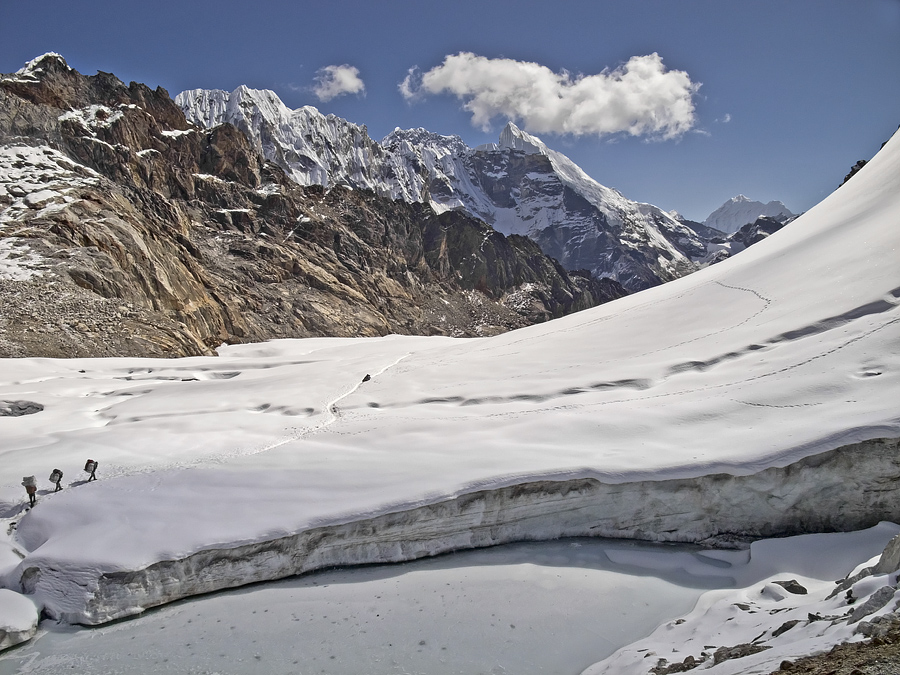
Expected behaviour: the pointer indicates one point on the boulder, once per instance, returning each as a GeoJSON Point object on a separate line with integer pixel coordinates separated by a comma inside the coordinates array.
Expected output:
{"type": "Point", "coordinates": [890, 558]}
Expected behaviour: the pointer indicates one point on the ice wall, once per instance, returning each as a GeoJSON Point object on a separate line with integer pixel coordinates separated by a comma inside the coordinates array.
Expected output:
{"type": "Point", "coordinates": [849, 488]}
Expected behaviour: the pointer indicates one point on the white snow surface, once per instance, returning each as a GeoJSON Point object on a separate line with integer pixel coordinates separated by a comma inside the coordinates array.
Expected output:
{"type": "Point", "coordinates": [18, 612]}
{"type": "Point", "coordinates": [756, 610]}
{"type": "Point", "coordinates": [740, 210]}
{"type": "Point", "coordinates": [18, 618]}
{"type": "Point", "coordinates": [788, 350]}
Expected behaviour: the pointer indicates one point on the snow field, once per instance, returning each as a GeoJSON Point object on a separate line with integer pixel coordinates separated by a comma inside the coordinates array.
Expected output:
{"type": "Point", "coordinates": [779, 355]}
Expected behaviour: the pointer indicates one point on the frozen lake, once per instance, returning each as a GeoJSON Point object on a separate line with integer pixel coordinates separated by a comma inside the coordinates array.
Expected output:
{"type": "Point", "coordinates": [552, 607]}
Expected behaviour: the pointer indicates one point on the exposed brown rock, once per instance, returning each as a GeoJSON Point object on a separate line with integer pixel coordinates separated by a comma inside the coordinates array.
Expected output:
{"type": "Point", "coordinates": [880, 655]}
{"type": "Point", "coordinates": [139, 234]}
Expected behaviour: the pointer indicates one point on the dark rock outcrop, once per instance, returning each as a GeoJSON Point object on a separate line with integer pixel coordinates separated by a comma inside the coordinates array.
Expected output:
{"type": "Point", "coordinates": [756, 231]}
{"type": "Point", "coordinates": [19, 408]}
{"type": "Point", "coordinates": [124, 230]}
{"type": "Point", "coordinates": [854, 169]}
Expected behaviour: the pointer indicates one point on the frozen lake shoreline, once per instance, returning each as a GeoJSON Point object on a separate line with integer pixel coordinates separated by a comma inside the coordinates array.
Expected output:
{"type": "Point", "coordinates": [527, 608]}
{"type": "Point", "coordinates": [522, 608]}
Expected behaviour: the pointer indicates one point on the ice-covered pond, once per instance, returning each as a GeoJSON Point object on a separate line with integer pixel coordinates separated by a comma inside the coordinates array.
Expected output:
{"type": "Point", "coordinates": [535, 607]}
{"type": "Point", "coordinates": [553, 607]}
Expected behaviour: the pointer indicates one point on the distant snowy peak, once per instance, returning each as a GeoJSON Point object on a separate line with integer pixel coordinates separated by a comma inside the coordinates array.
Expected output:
{"type": "Point", "coordinates": [423, 137]}
{"type": "Point", "coordinates": [312, 148]}
{"type": "Point", "coordinates": [37, 65]}
{"type": "Point", "coordinates": [514, 138]}
{"type": "Point", "coordinates": [739, 211]}
{"type": "Point", "coordinates": [211, 107]}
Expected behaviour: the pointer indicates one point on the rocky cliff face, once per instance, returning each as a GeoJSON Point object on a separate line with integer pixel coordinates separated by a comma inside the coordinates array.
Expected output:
{"type": "Point", "coordinates": [519, 186]}
{"type": "Point", "coordinates": [126, 230]}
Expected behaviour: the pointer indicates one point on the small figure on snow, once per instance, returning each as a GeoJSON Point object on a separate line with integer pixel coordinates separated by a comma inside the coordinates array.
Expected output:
{"type": "Point", "coordinates": [91, 467]}
{"type": "Point", "coordinates": [56, 477]}
{"type": "Point", "coordinates": [30, 483]}
{"type": "Point", "coordinates": [367, 378]}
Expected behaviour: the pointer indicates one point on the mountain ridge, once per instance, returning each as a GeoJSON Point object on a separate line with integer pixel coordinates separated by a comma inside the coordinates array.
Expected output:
{"type": "Point", "coordinates": [126, 230]}
{"type": "Point", "coordinates": [574, 219]}
{"type": "Point", "coordinates": [740, 210]}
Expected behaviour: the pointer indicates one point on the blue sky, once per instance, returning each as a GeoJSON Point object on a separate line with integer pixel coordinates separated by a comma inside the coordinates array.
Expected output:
{"type": "Point", "coordinates": [792, 92]}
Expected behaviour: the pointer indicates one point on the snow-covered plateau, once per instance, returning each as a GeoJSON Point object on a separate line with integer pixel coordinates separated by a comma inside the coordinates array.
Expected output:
{"type": "Point", "coordinates": [757, 397]}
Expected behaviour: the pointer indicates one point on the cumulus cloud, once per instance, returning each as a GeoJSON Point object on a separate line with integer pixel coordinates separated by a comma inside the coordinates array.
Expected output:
{"type": "Point", "coordinates": [332, 81]}
{"type": "Point", "coordinates": [640, 97]}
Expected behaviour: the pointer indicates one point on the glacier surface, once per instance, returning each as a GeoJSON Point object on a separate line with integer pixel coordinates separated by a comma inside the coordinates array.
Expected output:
{"type": "Point", "coordinates": [768, 382]}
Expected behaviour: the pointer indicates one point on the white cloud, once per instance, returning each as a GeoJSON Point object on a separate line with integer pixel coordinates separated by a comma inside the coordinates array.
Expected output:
{"type": "Point", "coordinates": [411, 86]}
{"type": "Point", "coordinates": [726, 119]}
{"type": "Point", "coordinates": [640, 98]}
{"type": "Point", "coordinates": [332, 81]}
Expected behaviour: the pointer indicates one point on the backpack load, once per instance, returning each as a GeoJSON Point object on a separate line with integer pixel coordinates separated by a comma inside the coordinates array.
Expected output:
{"type": "Point", "coordinates": [90, 465]}
{"type": "Point", "coordinates": [56, 476]}
{"type": "Point", "coordinates": [29, 481]}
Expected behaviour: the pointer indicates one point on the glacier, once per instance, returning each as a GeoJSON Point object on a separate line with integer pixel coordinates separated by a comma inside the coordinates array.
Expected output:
{"type": "Point", "coordinates": [851, 488]}
{"type": "Point", "coordinates": [745, 382]}
{"type": "Point", "coordinates": [528, 608]}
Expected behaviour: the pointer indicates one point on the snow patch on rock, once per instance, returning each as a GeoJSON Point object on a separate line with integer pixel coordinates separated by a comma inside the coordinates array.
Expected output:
{"type": "Point", "coordinates": [792, 613]}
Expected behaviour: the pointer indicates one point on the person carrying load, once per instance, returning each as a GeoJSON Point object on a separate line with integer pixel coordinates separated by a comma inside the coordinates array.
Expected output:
{"type": "Point", "coordinates": [56, 477]}
{"type": "Point", "coordinates": [30, 483]}
{"type": "Point", "coordinates": [91, 467]}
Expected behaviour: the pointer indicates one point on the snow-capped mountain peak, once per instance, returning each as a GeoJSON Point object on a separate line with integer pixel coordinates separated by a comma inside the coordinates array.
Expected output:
{"type": "Point", "coordinates": [740, 210]}
{"type": "Point", "coordinates": [37, 64]}
{"type": "Point", "coordinates": [515, 139]}
{"type": "Point", "coordinates": [311, 147]}
{"type": "Point", "coordinates": [519, 185]}
{"type": "Point", "coordinates": [32, 71]}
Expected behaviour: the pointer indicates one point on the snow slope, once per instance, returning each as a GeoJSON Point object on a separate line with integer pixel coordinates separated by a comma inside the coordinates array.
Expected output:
{"type": "Point", "coordinates": [246, 460]}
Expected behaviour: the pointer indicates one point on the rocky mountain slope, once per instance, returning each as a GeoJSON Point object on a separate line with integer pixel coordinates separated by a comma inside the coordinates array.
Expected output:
{"type": "Point", "coordinates": [720, 245]}
{"type": "Point", "coordinates": [126, 230]}
{"type": "Point", "coordinates": [519, 185]}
